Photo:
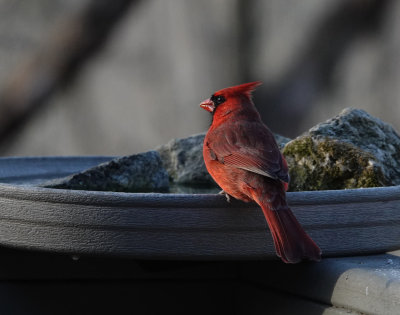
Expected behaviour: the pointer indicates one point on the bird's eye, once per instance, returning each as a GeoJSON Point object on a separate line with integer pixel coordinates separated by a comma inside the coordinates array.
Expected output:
{"type": "Point", "coordinates": [217, 99]}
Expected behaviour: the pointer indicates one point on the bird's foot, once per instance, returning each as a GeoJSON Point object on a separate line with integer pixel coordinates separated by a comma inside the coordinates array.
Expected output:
{"type": "Point", "coordinates": [228, 198]}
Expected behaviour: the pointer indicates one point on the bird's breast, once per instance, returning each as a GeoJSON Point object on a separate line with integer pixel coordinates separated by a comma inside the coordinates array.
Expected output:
{"type": "Point", "coordinates": [231, 179]}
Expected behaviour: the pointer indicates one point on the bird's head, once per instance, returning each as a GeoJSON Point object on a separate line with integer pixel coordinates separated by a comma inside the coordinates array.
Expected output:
{"type": "Point", "coordinates": [230, 99]}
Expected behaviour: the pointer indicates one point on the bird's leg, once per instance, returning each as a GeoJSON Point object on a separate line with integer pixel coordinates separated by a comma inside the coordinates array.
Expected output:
{"type": "Point", "coordinates": [223, 192]}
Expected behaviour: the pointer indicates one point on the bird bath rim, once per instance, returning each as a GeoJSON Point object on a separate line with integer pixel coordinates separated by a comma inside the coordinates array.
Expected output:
{"type": "Point", "coordinates": [181, 226]}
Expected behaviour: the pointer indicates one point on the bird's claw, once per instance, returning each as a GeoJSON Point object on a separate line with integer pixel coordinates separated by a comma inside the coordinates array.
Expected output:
{"type": "Point", "coordinates": [228, 198]}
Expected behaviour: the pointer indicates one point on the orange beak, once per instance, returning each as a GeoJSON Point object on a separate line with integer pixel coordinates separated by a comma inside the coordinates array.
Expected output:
{"type": "Point", "coordinates": [208, 105]}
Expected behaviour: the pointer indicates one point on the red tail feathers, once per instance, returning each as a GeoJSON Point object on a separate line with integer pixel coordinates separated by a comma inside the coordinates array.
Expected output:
{"type": "Point", "coordinates": [292, 243]}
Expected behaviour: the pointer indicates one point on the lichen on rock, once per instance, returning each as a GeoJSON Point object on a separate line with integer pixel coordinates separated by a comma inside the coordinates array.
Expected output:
{"type": "Point", "coordinates": [326, 163]}
{"type": "Point", "coordinates": [351, 150]}
{"type": "Point", "coordinates": [368, 133]}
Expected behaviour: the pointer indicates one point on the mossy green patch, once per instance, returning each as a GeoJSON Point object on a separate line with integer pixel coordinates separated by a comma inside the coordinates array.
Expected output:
{"type": "Point", "coordinates": [324, 163]}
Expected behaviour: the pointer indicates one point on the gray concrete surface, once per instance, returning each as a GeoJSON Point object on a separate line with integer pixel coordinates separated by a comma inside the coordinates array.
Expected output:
{"type": "Point", "coordinates": [365, 284]}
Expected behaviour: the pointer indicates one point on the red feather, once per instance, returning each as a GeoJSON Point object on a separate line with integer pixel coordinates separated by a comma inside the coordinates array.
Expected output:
{"type": "Point", "coordinates": [243, 89]}
{"type": "Point", "coordinates": [242, 156]}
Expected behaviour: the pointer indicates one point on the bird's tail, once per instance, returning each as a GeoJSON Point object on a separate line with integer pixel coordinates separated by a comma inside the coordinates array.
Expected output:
{"type": "Point", "coordinates": [292, 243]}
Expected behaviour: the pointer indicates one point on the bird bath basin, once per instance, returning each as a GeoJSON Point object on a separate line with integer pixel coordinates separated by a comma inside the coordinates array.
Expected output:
{"type": "Point", "coordinates": [179, 226]}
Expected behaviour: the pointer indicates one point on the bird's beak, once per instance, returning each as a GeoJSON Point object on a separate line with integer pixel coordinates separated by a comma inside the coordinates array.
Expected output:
{"type": "Point", "coordinates": [208, 105]}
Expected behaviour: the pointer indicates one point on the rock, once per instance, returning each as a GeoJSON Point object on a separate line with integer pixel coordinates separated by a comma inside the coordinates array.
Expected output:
{"type": "Point", "coordinates": [351, 150]}
{"type": "Point", "coordinates": [370, 134]}
{"type": "Point", "coordinates": [324, 163]}
{"type": "Point", "coordinates": [135, 173]}
{"type": "Point", "coordinates": [180, 162]}
{"type": "Point", "coordinates": [183, 160]}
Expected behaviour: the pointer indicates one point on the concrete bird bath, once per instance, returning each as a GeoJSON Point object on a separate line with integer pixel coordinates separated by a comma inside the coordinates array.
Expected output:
{"type": "Point", "coordinates": [179, 226]}
{"type": "Point", "coordinates": [229, 257]}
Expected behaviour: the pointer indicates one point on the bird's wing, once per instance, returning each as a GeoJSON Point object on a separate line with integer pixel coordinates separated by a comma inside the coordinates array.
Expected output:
{"type": "Point", "coordinates": [250, 146]}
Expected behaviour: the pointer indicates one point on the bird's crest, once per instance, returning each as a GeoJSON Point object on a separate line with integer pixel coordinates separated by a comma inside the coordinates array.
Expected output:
{"type": "Point", "coordinates": [245, 88]}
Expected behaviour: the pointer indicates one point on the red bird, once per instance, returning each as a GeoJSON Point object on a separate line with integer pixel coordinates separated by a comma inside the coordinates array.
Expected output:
{"type": "Point", "coordinates": [242, 156]}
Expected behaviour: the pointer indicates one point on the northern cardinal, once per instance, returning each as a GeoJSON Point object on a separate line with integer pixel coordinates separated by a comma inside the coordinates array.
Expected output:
{"type": "Point", "coordinates": [242, 156]}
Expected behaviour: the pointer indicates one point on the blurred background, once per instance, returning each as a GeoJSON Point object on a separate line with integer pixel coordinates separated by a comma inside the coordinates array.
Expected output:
{"type": "Point", "coordinates": [100, 77]}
